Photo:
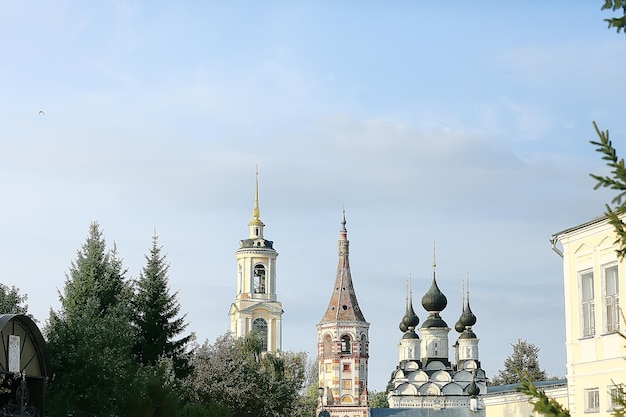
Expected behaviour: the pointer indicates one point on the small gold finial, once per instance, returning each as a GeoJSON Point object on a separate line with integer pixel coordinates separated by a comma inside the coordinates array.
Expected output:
{"type": "Point", "coordinates": [256, 212]}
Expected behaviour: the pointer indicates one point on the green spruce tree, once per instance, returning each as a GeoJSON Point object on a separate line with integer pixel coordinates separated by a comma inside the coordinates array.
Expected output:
{"type": "Point", "coordinates": [615, 181]}
{"type": "Point", "coordinates": [619, 6]}
{"type": "Point", "coordinates": [524, 359]}
{"type": "Point", "coordinates": [157, 321]}
{"type": "Point", "coordinates": [96, 273]}
{"type": "Point", "coordinates": [90, 338]}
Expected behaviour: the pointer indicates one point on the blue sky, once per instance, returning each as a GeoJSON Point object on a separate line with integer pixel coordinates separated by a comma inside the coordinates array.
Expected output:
{"type": "Point", "coordinates": [464, 124]}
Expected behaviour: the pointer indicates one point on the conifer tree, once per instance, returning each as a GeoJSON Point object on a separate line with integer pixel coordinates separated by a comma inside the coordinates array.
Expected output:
{"type": "Point", "coordinates": [90, 338]}
{"type": "Point", "coordinates": [96, 273]}
{"type": "Point", "coordinates": [615, 181]}
{"type": "Point", "coordinates": [157, 319]}
{"type": "Point", "coordinates": [524, 359]}
{"type": "Point", "coordinates": [619, 6]}
{"type": "Point", "coordinates": [541, 402]}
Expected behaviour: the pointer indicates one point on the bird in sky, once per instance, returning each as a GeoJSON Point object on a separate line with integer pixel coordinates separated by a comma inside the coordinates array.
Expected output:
{"type": "Point", "coordinates": [41, 113]}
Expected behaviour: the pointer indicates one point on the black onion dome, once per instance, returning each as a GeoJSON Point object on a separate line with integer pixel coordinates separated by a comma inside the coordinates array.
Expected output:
{"type": "Point", "coordinates": [410, 335]}
{"type": "Point", "coordinates": [434, 300]}
{"type": "Point", "coordinates": [468, 318]}
{"type": "Point", "coordinates": [468, 334]}
{"type": "Point", "coordinates": [403, 327]}
{"type": "Point", "coordinates": [473, 389]}
{"type": "Point", "coordinates": [458, 326]}
{"type": "Point", "coordinates": [410, 319]}
{"type": "Point", "coordinates": [434, 320]}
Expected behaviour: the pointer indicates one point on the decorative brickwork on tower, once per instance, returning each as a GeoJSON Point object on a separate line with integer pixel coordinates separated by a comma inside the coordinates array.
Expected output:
{"type": "Point", "coordinates": [343, 345]}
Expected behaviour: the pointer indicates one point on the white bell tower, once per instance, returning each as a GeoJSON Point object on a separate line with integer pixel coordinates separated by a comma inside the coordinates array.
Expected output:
{"type": "Point", "coordinates": [256, 306]}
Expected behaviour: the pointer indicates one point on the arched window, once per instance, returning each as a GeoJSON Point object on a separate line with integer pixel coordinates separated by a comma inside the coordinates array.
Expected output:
{"type": "Point", "coordinates": [259, 279]}
{"type": "Point", "coordinates": [346, 344]}
{"type": "Point", "coordinates": [259, 325]}
{"type": "Point", "coordinates": [363, 345]}
{"type": "Point", "coordinates": [327, 345]}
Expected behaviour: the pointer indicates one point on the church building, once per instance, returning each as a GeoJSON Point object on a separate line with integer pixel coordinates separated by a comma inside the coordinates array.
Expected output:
{"type": "Point", "coordinates": [425, 381]}
{"type": "Point", "coordinates": [256, 305]}
{"type": "Point", "coordinates": [343, 345]}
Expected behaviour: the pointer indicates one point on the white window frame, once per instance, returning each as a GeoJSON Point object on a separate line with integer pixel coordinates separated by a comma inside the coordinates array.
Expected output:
{"type": "Point", "coordinates": [610, 302]}
{"type": "Point", "coordinates": [587, 306]}
{"type": "Point", "coordinates": [592, 400]}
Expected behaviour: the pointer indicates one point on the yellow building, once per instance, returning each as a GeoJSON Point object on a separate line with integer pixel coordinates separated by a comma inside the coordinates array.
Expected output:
{"type": "Point", "coordinates": [256, 305]}
{"type": "Point", "coordinates": [593, 279]}
{"type": "Point", "coordinates": [506, 401]}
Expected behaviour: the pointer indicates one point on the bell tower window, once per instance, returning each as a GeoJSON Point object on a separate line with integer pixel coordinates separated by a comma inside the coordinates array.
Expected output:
{"type": "Point", "coordinates": [259, 279]}
{"type": "Point", "coordinates": [346, 344]}
{"type": "Point", "coordinates": [259, 325]}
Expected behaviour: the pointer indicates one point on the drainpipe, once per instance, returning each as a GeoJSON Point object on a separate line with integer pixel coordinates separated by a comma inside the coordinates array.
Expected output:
{"type": "Point", "coordinates": [553, 241]}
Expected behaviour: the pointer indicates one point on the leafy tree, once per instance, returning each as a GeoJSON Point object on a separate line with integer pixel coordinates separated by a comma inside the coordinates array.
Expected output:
{"type": "Point", "coordinates": [524, 359]}
{"type": "Point", "coordinates": [308, 398]}
{"type": "Point", "coordinates": [616, 22]}
{"type": "Point", "coordinates": [378, 399]}
{"type": "Point", "coordinates": [307, 402]}
{"type": "Point", "coordinates": [90, 339]}
{"type": "Point", "coordinates": [234, 373]}
{"type": "Point", "coordinates": [201, 410]}
{"type": "Point", "coordinates": [11, 301]}
{"type": "Point", "coordinates": [156, 315]}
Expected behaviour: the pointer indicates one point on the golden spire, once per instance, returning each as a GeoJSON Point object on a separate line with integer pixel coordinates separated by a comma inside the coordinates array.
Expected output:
{"type": "Point", "coordinates": [256, 211]}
